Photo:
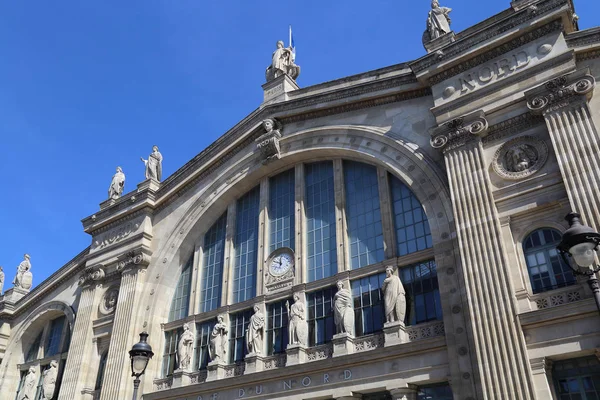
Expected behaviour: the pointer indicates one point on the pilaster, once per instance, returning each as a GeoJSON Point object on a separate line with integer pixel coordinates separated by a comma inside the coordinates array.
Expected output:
{"type": "Point", "coordinates": [263, 235]}
{"type": "Point", "coordinates": [564, 104]}
{"type": "Point", "coordinates": [340, 215]}
{"type": "Point", "coordinates": [541, 368]}
{"type": "Point", "coordinates": [229, 255]}
{"type": "Point", "coordinates": [300, 224]}
{"type": "Point", "coordinates": [387, 216]}
{"type": "Point", "coordinates": [500, 352]}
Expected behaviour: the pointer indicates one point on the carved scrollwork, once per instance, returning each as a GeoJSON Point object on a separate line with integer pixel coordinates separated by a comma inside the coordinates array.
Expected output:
{"type": "Point", "coordinates": [91, 274]}
{"type": "Point", "coordinates": [520, 157]}
{"type": "Point", "coordinates": [458, 131]}
{"type": "Point", "coordinates": [560, 92]}
{"type": "Point", "coordinates": [133, 259]}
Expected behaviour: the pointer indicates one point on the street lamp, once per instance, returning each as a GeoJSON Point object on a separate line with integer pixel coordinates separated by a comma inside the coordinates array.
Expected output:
{"type": "Point", "coordinates": [579, 246]}
{"type": "Point", "coordinates": [140, 354]}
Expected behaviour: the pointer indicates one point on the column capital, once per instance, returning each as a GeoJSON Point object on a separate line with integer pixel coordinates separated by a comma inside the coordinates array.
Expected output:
{"type": "Point", "coordinates": [540, 365]}
{"type": "Point", "coordinates": [457, 132]}
{"type": "Point", "coordinates": [560, 92]}
{"type": "Point", "coordinates": [91, 274]}
{"type": "Point", "coordinates": [133, 259]}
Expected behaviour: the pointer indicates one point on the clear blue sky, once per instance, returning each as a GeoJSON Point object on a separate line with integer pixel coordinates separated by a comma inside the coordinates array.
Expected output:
{"type": "Point", "coordinates": [89, 85]}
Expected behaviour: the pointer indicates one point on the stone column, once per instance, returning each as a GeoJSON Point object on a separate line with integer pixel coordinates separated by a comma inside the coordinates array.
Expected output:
{"type": "Point", "coordinates": [500, 355]}
{"type": "Point", "coordinates": [387, 216]}
{"type": "Point", "coordinates": [300, 219]}
{"type": "Point", "coordinates": [263, 236]}
{"type": "Point", "coordinates": [340, 216]}
{"type": "Point", "coordinates": [74, 374]}
{"type": "Point", "coordinates": [564, 104]}
{"type": "Point", "coordinates": [229, 256]}
{"type": "Point", "coordinates": [117, 364]}
{"type": "Point", "coordinates": [542, 371]}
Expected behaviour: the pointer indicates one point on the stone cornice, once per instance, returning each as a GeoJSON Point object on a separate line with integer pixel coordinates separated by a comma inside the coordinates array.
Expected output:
{"type": "Point", "coordinates": [465, 42]}
{"type": "Point", "coordinates": [519, 124]}
{"type": "Point", "coordinates": [560, 92]}
{"type": "Point", "coordinates": [583, 38]}
{"type": "Point", "coordinates": [457, 132]}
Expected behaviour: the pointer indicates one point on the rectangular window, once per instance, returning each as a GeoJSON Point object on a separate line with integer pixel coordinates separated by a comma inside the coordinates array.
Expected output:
{"type": "Point", "coordinates": [321, 255]}
{"type": "Point", "coordinates": [169, 357]}
{"type": "Point", "coordinates": [181, 299]}
{"type": "Point", "coordinates": [321, 327]}
{"type": "Point", "coordinates": [577, 378]}
{"type": "Point", "coordinates": [363, 215]}
{"type": "Point", "coordinates": [246, 241]}
{"type": "Point", "coordinates": [212, 271]}
{"type": "Point", "coordinates": [437, 392]}
{"type": "Point", "coordinates": [412, 228]}
{"type": "Point", "coordinates": [32, 354]}
{"type": "Point", "coordinates": [369, 313]}
{"type": "Point", "coordinates": [203, 332]}
{"type": "Point", "coordinates": [422, 293]}
{"type": "Point", "coordinates": [277, 327]}
{"type": "Point", "coordinates": [237, 342]}
{"type": "Point", "coordinates": [281, 210]}
{"type": "Point", "coordinates": [54, 336]}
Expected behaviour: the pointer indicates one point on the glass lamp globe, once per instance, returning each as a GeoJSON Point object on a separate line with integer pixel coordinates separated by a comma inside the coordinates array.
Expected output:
{"type": "Point", "coordinates": [138, 364]}
{"type": "Point", "coordinates": [583, 254]}
{"type": "Point", "coordinates": [580, 243]}
{"type": "Point", "coordinates": [140, 354]}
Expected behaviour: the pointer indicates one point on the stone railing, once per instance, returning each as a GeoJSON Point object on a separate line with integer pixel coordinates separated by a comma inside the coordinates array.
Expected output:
{"type": "Point", "coordinates": [558, 297]}
{"type": "Point", "coordinates": [235, 370]}
{"type": "Point", "coordinates": [425, 331]}
{"type": "Point", "coordinates": [319, 352]}
{"type": "Point", "coordinates": [163, 384]}
{"type": "Point", "coordinates": [276, 361]}
{"type": "Point", "coordinates": [366, 343]}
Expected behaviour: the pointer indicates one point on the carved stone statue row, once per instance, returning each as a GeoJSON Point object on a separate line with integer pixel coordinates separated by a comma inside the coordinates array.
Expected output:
{"type": "Point", "coordinates": [24, 278]}
{"type": "Point", "coordinates": [153, 169]}
{"type": "Point", "coordinates": [395, 311]}
{"type": "Point", "coordinates": [29, 387]}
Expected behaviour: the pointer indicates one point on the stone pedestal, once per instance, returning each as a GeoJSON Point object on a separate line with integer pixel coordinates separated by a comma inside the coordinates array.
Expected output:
{"type": "Point", "coordinates": [181, 378]}
{"type": "Point", "coordinates": [277, 89]}
{"type": "Point", "coordinates": [296, 354]}
{"type": "Point", "coordinates": [409, 392]}
{"type": "Point", "coordinates": [440, 42]}
{"type": "Point", "coordinates": [394, 333]}
{"type": "Point", "coordinates": [343, 343]}
{"type": "Point", "coordinates": [15, 294]}
{"type": "Point", "coordinates": [254, 363]}
{"type": "Point", "coordinates": [215, 370]}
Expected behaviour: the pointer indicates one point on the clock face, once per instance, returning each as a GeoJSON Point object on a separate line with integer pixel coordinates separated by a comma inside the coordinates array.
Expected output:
{"type": "Point", "coordinates": [281, 262]}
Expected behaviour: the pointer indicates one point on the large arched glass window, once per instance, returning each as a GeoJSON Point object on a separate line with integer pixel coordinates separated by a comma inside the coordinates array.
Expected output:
{"type": "Point", "coordinates": [181, 299]}
{"type": "Point", "coordinates": [546, 268]}
{"type": "Point", "coordinates": [281, 210]}
{"type": "Point", "coordinates": [246, 242]}
{"type": "Point", "coordinates": [212, 269]}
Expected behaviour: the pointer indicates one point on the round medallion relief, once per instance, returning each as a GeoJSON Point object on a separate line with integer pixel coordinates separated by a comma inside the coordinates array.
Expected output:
{"type": "Point", "coordinates": [109, 301]}
{"type": "Point", "coordinates": [520, 157]}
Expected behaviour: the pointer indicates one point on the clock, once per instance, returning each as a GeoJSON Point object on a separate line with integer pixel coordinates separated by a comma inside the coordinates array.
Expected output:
{"type": "Point", "coordinates": [281, 261]}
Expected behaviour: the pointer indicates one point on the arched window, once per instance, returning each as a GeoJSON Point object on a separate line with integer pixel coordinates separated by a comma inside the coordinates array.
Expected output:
{"type": "Point", "coordinates": [181, 299]}
{"type": "Point", "coordinates": [546, 268]}
{"type": "Point", "coordinates": [212, 266]}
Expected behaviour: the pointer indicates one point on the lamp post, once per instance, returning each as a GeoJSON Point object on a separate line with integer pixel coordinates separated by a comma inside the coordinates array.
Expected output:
{"type": "Point", "coordinates": [140, 354]}
{"type": "Point", "coordinates": [579, 246]}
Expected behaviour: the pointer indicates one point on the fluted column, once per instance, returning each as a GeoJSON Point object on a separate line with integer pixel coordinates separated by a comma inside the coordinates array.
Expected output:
{"type": "Point", "coordinates": [73, 376]}
{"type": "Point", "coordinates": [564, 104]}
{"type": "Point", "coordinates": [501, 359]}
{"type": "Point", "coordinates": [117, 365]}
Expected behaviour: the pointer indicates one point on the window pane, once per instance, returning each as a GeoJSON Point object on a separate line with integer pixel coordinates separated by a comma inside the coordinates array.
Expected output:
{"type": "Point", "coordinates": [277, 327]}
{"type": "Point", "coordinates": [237, 342]}
{"type": "Point", "coordinates": [181, 298]}
{"type": "Point", "coordinates": [437, 392]}
{"type": "Point", "coordinates": [101, 368]}
{"type": "Point", "coordinates": [214, 244]}
{"type": "Point", "coordinates": [412, 228]}
{"type": "Point", "coordinates": [363, 216]}
{"type": "Point", "coordinates": [169, 358]}
{"type": "Point", "coordinates": [321, 255]}
{"type": "Point", "coordinates": [368, 304]}
{"type": "Point", "coordinates": [32, 354]}
{"type": "Point", "coordinates": [320, 316]}
{"type": "Point", "coordinates": [54, 336]}
{"type": "Point", "coordinates": [203, 332]}
{"type": "Point", "coordinates": [246, 228]}
{"type": "Point", "coordinates": [422, 294]}
{"type": "Point", "coordinates": [281, 210]}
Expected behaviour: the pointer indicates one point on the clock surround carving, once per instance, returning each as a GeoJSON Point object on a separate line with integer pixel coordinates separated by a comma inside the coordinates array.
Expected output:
{"type": "Point", "coordinates": [279, 280]}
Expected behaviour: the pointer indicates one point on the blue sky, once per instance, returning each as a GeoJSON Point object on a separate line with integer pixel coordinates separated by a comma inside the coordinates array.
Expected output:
{"type": "Point", "coordinates": [89, 85]}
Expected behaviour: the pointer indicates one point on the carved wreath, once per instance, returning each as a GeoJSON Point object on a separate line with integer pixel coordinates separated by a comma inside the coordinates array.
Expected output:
{"type": "Point", "coordinates": [109, 301]}
{"type": "Point", "coordinates": [520, 157]}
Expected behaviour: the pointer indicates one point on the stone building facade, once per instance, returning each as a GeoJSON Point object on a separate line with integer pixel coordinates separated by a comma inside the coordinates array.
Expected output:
{"type": "Point", "coordinates": [455, 169]}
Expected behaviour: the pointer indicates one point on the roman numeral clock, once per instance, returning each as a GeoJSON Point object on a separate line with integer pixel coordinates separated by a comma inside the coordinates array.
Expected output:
{"type": "Point", "coordinates": [280, 269]}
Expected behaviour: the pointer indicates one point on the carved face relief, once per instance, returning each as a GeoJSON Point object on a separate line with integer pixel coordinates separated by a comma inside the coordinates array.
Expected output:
{"type": "Point", "coordinates": [520, 158]}
{"type": "Point", "coordinates": [109, 301]}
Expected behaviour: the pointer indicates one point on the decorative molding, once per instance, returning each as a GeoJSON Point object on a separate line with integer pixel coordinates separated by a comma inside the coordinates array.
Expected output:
{"type": "Point", "coordinates": [425, 331]}
{"type": "Point", "coordinates": [133, 259]}
{"type": "Point", "coordinates": [554, 26]}
{"type": "Point", "coordinates": [588, 55]}
{"type": "Point", "coordinates": [108, 304]}
{"type": "Point", "coordinates": [319, 352]}
{"type": "Point", "coordinates": [367, 343]}
{"type": "Point", "coordinates": [116, 235]}
{"type": "Point", "coordinates": [520, 157]}
{"type": "Point", "coordinates": [583, 38]}
{"type": "Point", "coordinates": [457, 132]}
{"type": "Point", "coordinates": [91, 274]}
{"type": "Point", "coordinates": [275, 361]}
{"type": "Point", "coordinates": [235, 369]}
{"type": "Point", "coordinates": [512, 126]}
{"type": "Point", "coordinates": [163, 384]}
{"type": "Point", "coordinates": [560, 92]}
{"type": "Point", "coordinates": [554, 299]}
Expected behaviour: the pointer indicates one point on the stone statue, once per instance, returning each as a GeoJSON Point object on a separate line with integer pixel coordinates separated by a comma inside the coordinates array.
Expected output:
{"type": "Point", "coordinates": [343, 312]}
{"type": "Point", "coordinates": [268, 142]}
{"type": "Point", "coordinates": [116, 185]}
{"type": "Point", "coordinates": [1, 281]}
{"type": "Point", "coordinates": [520, 158]}
{"type": "Point", "coordinates": [298, 327]}
{"type": "Point", "coordinates": [438, 20]}
{"type": "Point", "coordinates": [218, 341]}
{"type": "Point", "coordinates": [185, 348]}
{"type": "Point", "coordinates": [49, 380]}
{"type": "Point", "coordinates": [28, 388]}
{"type": "Point", "coordinates": [394, 297]}
{"type": "Point", "coordinates": [282, 63]}
{"type": "Point", "coordinates": [153, 164]}
{"type": "Point", "coordinates": [23, 280]}
{"type": "Point", "coordinates": [255, 332]}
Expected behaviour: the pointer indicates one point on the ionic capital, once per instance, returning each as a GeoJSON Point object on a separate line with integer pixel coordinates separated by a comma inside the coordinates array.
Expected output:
{"type": "Point", "coordinates": [560, 92]}
{"type": "Point", "coordinates": [133, 259]}
{"type": "Point", "coordinates": [91, 274]}
{"type": "Point", "coordinates": [459, 131]}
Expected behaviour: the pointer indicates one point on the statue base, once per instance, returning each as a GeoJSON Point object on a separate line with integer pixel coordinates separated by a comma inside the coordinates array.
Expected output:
{"type": "Point", "coordinates": [254, 363]}
{"type": "Point", "coordinates": [296, 354]}
{"type": "Point", "coordinates": [14, 294]}
{"type": "Point", "coordinates": [343, 344]}
{"type": "Point", "coordinates": [440, 42]}
{"type": "Point", "coordinates": [107, 203]}
{"type": "Point", "coordinates": [215, 370]}
{"type": "Point", "coordinates": [394, 333]}
{"type": "Point", "coordinates": [277, 89]}
{"type": "Point", "coordinates": [181, 378]}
